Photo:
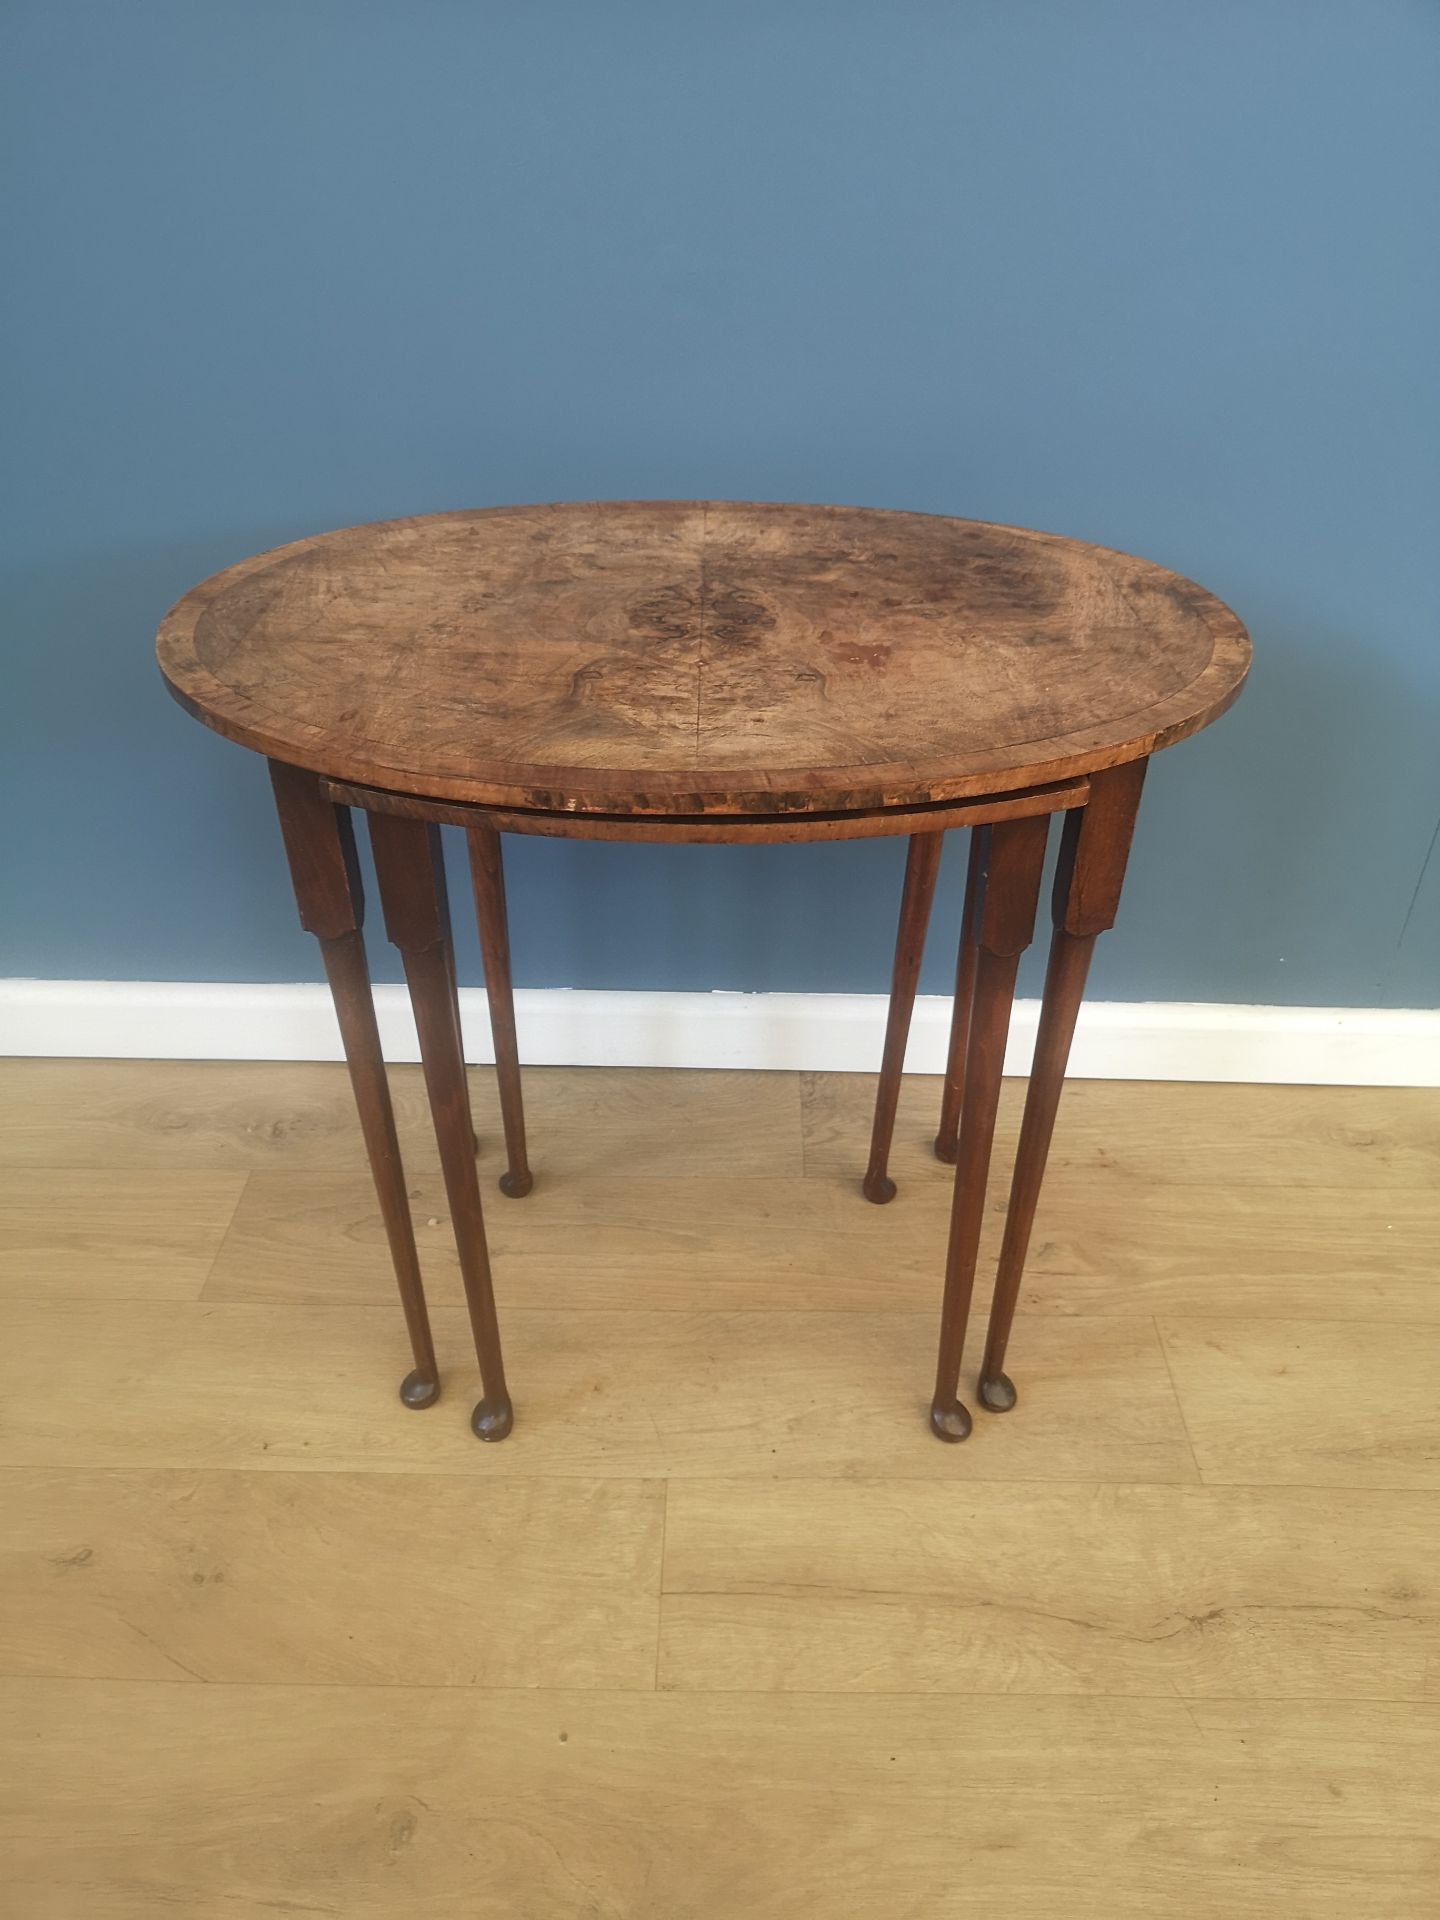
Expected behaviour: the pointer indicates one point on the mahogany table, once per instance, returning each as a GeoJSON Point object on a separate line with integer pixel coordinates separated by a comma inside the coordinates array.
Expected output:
{"type": "Point", "coordinates": [706, 671]}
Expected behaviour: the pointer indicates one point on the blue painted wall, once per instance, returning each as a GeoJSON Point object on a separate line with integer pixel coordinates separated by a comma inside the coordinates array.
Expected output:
{"type": "Point", "coordinates": [1163, 276]}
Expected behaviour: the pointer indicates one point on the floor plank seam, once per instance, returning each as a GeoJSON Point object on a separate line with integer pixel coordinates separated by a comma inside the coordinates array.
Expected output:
{"type": "Point", "coordinates": [660, 1579]}
{"type": "Point", "coordinates": [1342, 1701]}
{"type": "Point", "coordinates": [485, 1477]}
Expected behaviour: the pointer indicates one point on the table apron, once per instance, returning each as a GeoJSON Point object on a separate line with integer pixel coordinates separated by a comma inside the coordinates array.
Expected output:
{"type": "Point", "coordinates": [1061, 796]}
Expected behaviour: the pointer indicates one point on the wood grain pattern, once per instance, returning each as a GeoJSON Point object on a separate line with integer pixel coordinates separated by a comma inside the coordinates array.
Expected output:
{"type": "Point", "coordinates": [1144, 1133]}
{"type": "Point", "coordinates": [700, 657]}
{"type": "Point", "coordinates": [650, 1123]}
{"type": "Point", "coordinates": [111, 1234]}
{"type": "Point", "coordinates": [218, 1115]}
{"type": "Point", "coordinates": [169, 1115]}
{"type": "Point", "coordinates": [685, 1244]}
{"type": "Point", "coordinates": [130, 1800]}
{"type": "Point", "coordinates": [1310, 1402]}
{"type": "Point", "coordinates": [933, 1588]}
{"type": "Point", "coordinates": [626, 1393]}
{"type": "Point", "coordinates": [1107, 1242]}
{"type": "Point", "coordinates": [221, 1115]}
{"type": "Point", "coordinates": [812, 1533]}
{"type": "Point", "coordinates": [836, 1110]}
{"type": "Point", "coordinates": [322, 1578]}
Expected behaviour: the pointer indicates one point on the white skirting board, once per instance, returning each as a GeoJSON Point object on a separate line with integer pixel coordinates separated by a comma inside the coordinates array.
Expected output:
{"type": "Point", "coordinates": [1162, 1040]}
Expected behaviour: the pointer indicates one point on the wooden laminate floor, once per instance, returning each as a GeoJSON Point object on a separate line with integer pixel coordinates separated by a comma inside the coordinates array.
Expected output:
{"type": "Point", "coordinates": [721, 1630]}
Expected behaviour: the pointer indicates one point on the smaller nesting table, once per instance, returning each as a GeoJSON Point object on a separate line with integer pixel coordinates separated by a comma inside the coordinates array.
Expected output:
{"type": "Point", "coordinates": [706, 671]}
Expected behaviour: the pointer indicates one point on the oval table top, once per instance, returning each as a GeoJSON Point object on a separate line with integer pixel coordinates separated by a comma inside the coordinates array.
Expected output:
{"type": "Point", "coordinates": [700, 657]}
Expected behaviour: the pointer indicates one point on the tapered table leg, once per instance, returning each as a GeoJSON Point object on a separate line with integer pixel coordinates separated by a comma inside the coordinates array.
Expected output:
{"type": "Point", "coordinates": [947, 1139]}
{"type": "Point", "coordinates": [488, 874]}
{"type": "Point", "coordinates": [320, 843]}
{"type": "Point", "coordinates": [412, 893]}
{"type": "Point", "coordinates": [454, 980]}
{"type": "Point", "coordinates": [922, 863]}
{"type": "Point", "coordinates": [1010, 887]}
{"type": "Point", "coordinates": [1093, 853]}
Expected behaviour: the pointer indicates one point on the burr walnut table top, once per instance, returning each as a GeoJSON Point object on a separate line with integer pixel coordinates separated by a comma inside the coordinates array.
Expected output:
{"type": "Point", "coordinates": [690, 657]}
